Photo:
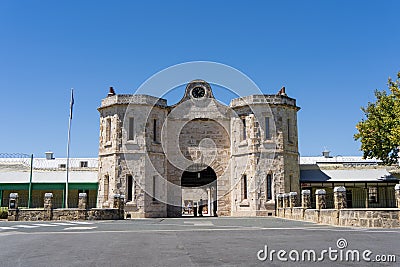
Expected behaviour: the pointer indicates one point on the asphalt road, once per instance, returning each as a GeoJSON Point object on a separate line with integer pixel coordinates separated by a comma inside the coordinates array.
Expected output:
{"type": "Point", "coordinates": [194, 242]}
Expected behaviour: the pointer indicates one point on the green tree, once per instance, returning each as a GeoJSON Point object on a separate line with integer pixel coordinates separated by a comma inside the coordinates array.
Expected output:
{"type": "Point", "coordinates": [379, 132]}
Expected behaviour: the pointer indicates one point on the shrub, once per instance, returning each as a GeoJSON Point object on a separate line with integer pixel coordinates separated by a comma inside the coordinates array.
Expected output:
{"type": "Point", "coordinates": [3, 213]}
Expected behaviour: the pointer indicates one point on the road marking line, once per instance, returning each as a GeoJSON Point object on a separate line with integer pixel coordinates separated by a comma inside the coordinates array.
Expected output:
{"type": "Point", "coordinates": [80, 228]}
{"type": "Point", "coordinates": [42, 224]}
{"type": "Point", "coordinates": [199, 223]}
{"type": "Point", "coordinates": [64, 224]}
{"type": "Point", "coordinates": [7, 228]}
{"type": "Point", "coordinates": [26, 226]}
{"type": "Point", "coordinates": [83, 222]}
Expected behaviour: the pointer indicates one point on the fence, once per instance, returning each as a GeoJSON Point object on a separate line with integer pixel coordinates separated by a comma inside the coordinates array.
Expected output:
{"type": "Point", "coordinates": [358, 197]}
{"type": "Point", "coordinates": [337, 208]}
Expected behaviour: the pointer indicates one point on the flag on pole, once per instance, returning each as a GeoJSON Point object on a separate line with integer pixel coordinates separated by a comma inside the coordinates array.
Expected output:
{"type": "Point", "coordinates": [71, 104]}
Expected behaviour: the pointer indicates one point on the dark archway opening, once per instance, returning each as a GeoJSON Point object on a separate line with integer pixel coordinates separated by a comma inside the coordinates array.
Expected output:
{"type": "Point", "coordinates": [198, 178]}
{"type": "Point", "coordinates": [199, 191]}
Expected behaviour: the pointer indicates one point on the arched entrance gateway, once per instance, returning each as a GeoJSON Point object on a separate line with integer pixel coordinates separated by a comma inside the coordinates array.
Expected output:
{"type": "Point", "coordinates": [199, 191]}
{"type": "Point", "coordinates": [232, 160]}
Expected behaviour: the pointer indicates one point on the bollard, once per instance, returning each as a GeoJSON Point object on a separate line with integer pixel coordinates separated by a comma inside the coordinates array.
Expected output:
{"type": "Point", "coordinates": [13, 211]}
{"type": "Point", "coordinates": [48, 206]}
{"type": "Point", "coordinates": [285, 200]}
{"type": "Point", "coordinates": [82, 201]}
{"type": "Point", "coordinates": [116, 201]}
{"type": "Point", "coordinates": [279, 202]}
{"type": "Point", "coordinates": [397, 194]}
{"type": "Point", "coordinates": [293, 199]}
{"type": "Point", "coordinates": [305, 199]}
{"type": "Point", "coordinates": [13, 202]}
{"type": "Point", "coordinates": [320, 195]}
{"type": "Point", "coordinates": [339, 195]}
{"type": "Point", "coordinates": [121, 206]}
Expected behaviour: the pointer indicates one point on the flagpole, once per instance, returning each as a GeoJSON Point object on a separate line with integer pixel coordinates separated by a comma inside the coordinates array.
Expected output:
{"type": "Point", "coordinates": [69, 139]}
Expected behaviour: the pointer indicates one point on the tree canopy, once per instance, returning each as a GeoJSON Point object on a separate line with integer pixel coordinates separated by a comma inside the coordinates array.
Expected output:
{"type": "Point", "coordinates": [379, 132]}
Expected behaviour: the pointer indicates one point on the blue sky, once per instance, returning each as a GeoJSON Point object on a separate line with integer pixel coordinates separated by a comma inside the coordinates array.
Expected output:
{"type": "Point", "coordinates": [330, 55]}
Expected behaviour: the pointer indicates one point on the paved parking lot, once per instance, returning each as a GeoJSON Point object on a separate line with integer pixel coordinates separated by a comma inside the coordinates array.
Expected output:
{"type": "Point", "coordinates": [192, 242]}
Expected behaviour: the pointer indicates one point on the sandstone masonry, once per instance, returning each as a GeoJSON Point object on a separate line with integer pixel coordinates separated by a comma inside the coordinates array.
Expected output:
{"type": "Point", "coordinates": [243, 154]}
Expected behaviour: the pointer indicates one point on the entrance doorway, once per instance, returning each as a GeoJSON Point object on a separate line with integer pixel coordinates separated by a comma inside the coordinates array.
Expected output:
{"type": "Point", "coordinates": [199, 191]}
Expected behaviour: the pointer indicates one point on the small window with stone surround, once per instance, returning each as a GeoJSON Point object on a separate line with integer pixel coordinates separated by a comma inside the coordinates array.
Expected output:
{"type": "Point", "coordinates": [267, 131]}
{"type": "Point", "coordinates": [244, 129]}
{"type": "Point", "coordinates": [244, 187]}
{"type": "Point", "coordinates": [155, 133]}
{"type": "Point", "coordinates": [106, 187]}
{"type": "Point", "coordinates": [131, 129]}
{"type": "Point", "coordinates": [130, 188]}
{"type": "Point", "coordinates": [269, 187]}
{"type": "Point", "coordinates": [289, 131]}
{"type": "Point", "coordinates": [108, 129]}
{"type": "Point", "coordinates": [154, 188]}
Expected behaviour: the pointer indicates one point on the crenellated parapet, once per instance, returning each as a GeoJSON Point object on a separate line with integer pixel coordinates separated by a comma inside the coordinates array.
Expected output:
{"type": "Point", "coordinates": [125, 99]}
{"type": "Point", "coordinates": [264, 99]}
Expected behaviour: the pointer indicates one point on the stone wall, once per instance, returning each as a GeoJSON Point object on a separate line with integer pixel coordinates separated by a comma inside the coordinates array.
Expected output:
{"type": "Point", "coordinates": [382, 218]}
{"type": "Point", "coordinates": [340, 215]}
{"type": "Point", "coordinates": [49, 214]}
{"type": "Point", "coordinates": [168, 139]}
{"type": "Point", "coordinates": [65, 214]}
{"type": "Point", "coordinates": [379, 218]}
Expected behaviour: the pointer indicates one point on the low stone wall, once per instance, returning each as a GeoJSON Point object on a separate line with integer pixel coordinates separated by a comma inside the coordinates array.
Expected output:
{"type": "Point", "coordinates": [379, 218]}
{"type": "Point", "coordinates": [27, 215]}
{"type": "Point", "coordinates": [105, 214]}
{"type": "Point", "coordinates": [329, 216]}
{"type": "Point", "coordinates": [69, 214]}
{"type": "Point", "coordinates": [340, 215]}
{"type": "Point", "coordinates": [311, 215]}
{"type": "Point", "coordinates": [297, 213]}
{"type": "Point", "coordinates": [64, 214]}
{"type": "Point", "coordinates": [382, 218]}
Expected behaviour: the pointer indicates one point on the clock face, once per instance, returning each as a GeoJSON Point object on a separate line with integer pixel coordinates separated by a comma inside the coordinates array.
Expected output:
{"type": "Point", "coordinates": [198, 92]}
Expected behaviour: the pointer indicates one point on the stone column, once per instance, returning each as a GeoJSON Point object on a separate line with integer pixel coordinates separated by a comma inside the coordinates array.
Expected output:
{"type": "Point", "coordinates": [122, 207]}
{"type": "Point", "coordinates": [82, 203]}
{"type": "Point", "coordinates": [320, 195]}
{"type": "Point", "coordinates": [13, 201]}
{"type": "Point", "coordinates": [339, 195]}
{"type": "Point", "coordinates": [13, 207]}
{"type": "Point", "coordinates": [293, 199]}
{"type": "Point", "coordinates": [279, 202]}
{"type": "Point", "coordinates": [305, 199]}
{"type": "Point", "coordinates": [116, 201]}
{"type": "Point", "coordinates": [286, 200]}
{"type": "Point", "coordinates": [397, 194]}
{"type": "Point", "coordinates": [209, 201]}
{"type": "Point", "coordinates": [48, 206]}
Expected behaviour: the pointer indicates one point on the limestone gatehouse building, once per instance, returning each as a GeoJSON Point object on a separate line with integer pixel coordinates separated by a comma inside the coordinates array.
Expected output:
{"type": "Point", "coordinates": [169, 159]}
